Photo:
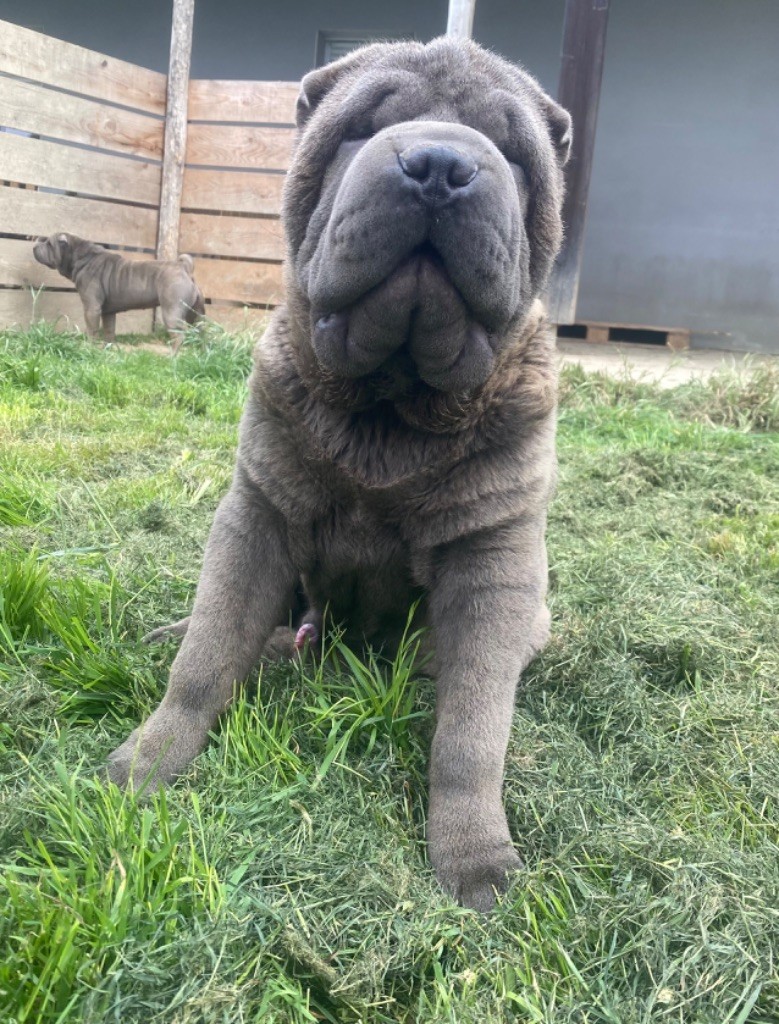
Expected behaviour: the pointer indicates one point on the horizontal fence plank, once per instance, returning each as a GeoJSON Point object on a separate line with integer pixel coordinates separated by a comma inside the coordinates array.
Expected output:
{"type": "Point", "coordinates": [231, 191]}
{"type": "Point", "coordinates": [219, 145]}
{"type": "Point", "coordinates": [27, 212]}
{"type": "Point", "coordinates": [239, 319]}
{"type": "Point", "coordinates": [258, 102]}
{"type": "Point", "coordinates": [49, 164]}
{"type": "Point", "coordinates": [244, 237]}
{"type": "Point", "coordinates": [237, 281]}
{"type": "Point", "coordinates": [40, 111]}
{"type": "Point", "coordinates": [18, 307]}
{"type": "Point", "coordinates": [18, 266]}
{"type": "Point", "coordinates": [67, 66]}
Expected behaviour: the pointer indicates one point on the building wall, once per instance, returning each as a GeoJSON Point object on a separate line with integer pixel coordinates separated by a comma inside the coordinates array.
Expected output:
{"type": "Point", "coordinates": [279, 37]}
{"type": "Point", "coordinates": [276, 39]}
{"type": "Point", "coordinates": [683, 221]}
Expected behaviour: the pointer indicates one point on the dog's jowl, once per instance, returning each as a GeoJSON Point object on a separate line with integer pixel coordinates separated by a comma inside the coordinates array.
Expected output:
{"type": "Point", "coordinates": [398, 439]}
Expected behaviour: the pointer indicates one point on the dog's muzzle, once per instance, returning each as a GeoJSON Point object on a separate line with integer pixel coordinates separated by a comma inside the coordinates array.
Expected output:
{"type": "Point", "coordinates": [421, 252]}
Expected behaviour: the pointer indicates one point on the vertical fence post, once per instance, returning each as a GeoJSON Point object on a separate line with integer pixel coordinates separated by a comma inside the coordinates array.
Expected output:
{"type": "Point", "coordinates": [460, 21]}
{"type": "Point", "coordinates": [581, 70]}
{"type": "Point", "coordinates": [175, 130]}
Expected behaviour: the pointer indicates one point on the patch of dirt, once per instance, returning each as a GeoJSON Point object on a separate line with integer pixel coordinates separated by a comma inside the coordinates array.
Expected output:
{"type": "Point", "coordinates": [654, 363]}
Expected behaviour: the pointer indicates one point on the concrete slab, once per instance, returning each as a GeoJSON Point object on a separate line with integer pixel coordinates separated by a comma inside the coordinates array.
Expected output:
{"type": "Point", "coordinates": [654, 363]}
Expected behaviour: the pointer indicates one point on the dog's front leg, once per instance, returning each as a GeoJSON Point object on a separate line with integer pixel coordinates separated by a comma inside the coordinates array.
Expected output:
{"type": "Point", "coordinates": [246, 586]}
{"type": "Point", "coordinates": [92, 318]}
{"type": "Point", "coordinates": [489, 618]}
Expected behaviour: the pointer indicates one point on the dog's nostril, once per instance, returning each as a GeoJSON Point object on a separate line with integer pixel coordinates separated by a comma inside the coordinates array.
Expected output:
{"type": "Point", "coordinates": [462, 172]}
{"type": "Point", "coordinates": [415, 163]}
{"type": "Point", "coordinates": [439, 165]}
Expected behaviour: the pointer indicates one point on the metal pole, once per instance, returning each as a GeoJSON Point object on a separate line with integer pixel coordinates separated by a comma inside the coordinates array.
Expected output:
{"type": "Point", "coordinates": [460, 21]}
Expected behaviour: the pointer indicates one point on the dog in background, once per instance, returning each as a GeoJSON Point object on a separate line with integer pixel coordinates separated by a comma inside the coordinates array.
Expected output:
{"type": "Point", "coordinates": [108, 284]}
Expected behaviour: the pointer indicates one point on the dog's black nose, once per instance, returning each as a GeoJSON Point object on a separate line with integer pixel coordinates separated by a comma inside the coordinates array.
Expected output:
{"type": "Point", "coordinates": [438, 170]}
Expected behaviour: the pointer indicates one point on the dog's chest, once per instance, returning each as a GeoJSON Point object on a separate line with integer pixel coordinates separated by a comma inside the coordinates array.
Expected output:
{"type": "Point", "coordinates": [360, 570]}
{"type": "Point", "coordinates": [352, 536]}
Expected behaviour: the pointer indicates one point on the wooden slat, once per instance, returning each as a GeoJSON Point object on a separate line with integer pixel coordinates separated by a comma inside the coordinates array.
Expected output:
{"type": "Point", "coordinates": [238, 281]}
{"type": "Point", "coordinates": [257, 102]}
{"type": "Point", "coordinates": [33, 108]}
{"type": "Point", "coordinates": [597, 335]}
{"type": "Point", "coordinates": [36, 162]}
{"type": "Point", "coordinates": [631, 326]}
{"type": "Point", "coordinates": [232, 191]}
{"type": "Point", "coordinates": [44, 59]}
{"type": "Point", "coordinates": [18, 266]}
{"type": "Point", "coordinates": [17, 307]}
{"type": "Point", "coordinates": [678, 341]}
{"type": "Point", "coordinates": [244, 237]}
{"type": "Point", "coordinates": [239, 318]}
{"type": "Point", "coordinates": [25, 212]}
{"type": "Point", "coordinates": [218, 145]}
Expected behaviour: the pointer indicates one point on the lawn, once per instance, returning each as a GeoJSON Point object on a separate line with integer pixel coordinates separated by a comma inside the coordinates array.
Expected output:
{"type": "Point", "coordinates": [285, 879]}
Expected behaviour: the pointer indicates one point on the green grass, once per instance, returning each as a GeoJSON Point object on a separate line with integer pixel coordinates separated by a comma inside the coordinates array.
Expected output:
{"type": "Point", "coordinates": [285, 879]}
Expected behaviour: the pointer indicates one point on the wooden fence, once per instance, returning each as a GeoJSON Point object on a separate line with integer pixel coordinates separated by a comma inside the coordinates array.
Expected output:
{"type": "Point", "coordinates": [81, 142]}
{"type": "Point", "coordinates": [239, 142]}
{"type": "Point", "coordinates": [80, 152]}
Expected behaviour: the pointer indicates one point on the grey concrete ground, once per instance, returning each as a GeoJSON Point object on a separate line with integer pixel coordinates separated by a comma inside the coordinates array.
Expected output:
{"type": "Point", "coordinates": [653, 362]}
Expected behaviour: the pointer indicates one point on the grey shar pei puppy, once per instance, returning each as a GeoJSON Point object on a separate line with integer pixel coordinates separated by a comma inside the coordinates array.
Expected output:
{"type": "Point", "coordinates": [108, 284]}
{"type": "Point", "coordinates": [398, 442]}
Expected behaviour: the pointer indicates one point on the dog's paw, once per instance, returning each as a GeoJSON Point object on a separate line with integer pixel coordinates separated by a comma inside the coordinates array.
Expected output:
{"type": "Point", "coordinates": [476, 880]}
{"type": "Point", "coordinates": [470, 848]}
{"type": "Point", "coordinates": [159, 751]}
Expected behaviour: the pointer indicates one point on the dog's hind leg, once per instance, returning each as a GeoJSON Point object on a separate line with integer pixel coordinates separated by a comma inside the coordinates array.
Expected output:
{"type": "Point", "coordinates": [286, 643]}
{"type": "Point", "coordinates": [163, 632]}
{"type": "Point", "coordinates": [282, 645]}
{"type": "Point", "coordinates": [197, 310]}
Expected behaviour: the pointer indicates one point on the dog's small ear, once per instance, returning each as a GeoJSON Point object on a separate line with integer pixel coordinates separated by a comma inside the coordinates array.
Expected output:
{"type": "Point", "coordinates": [314, 86]}
{"type": "Point", "coordinates": [560, 129]}
{"type": "Point", "coordinates": [318, 83]}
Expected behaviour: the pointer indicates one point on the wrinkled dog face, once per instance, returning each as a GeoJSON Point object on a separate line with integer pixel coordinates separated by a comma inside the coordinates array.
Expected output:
{"type": "Point", "coordinates": [422, 208]}
{"type": "Point", "coordinates": [52, 251]}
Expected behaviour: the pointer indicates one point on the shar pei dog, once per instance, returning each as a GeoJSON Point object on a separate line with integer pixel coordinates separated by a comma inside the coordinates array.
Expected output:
{"type": "Point", "coordinates": [108, 284]}
{"type": "Point", "coordinates": [398, 441]}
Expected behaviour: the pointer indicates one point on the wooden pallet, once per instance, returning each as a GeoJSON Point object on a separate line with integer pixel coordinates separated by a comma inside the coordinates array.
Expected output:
{"type": "Point", "coordinates": [675, 338]}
